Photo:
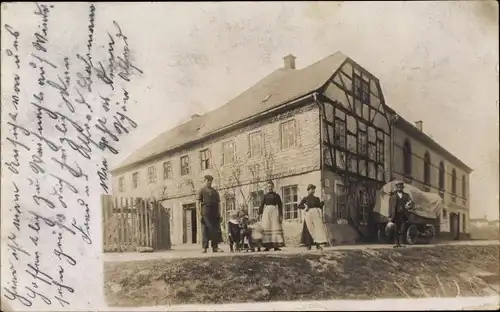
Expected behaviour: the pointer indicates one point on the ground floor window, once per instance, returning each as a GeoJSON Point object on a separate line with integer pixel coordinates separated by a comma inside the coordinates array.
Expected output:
{"type": "Point", "coordinates": [256, 199]}
{"type": "Point", "coordinates": [341, 202]}
{"type": "Point", "coordinates": [290, 202]}
{"type": "Point", "coordinates": [229, 205]}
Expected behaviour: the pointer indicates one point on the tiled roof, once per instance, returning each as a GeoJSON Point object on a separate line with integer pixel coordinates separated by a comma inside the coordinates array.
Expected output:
{"type": "Point", "coordinates": [280, 87]}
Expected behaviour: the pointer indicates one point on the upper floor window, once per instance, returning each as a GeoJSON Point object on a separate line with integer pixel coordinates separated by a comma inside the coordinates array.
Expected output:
{"type": "Point", "coordinates": [205, 159]}
{"type": "Point", "coordinates": [340, 133]}
{"type": "Point", "coordinates": [290, 202]}
{"type": "Point", "coordinates": [135, 180]}
{"type": "Point", "coordinates": [287, 134]}
{"type": "Point", "coordinates": [121, 184]}
{"type": "Point", "coordinates": [152, 174]}
{"type": "Point", "coordinates": [228, 152]}
{"type": "Point", "coordinates": [427, 168]}
{"type": "Point", "coordinates": [167, 170]}
{"type": "Point", "coordinates": [362, 143]}
{"type": "Point", "coordinates": [454, 181]}
{"type": "Point", "coordinates": [185, 166]}
{"type": "Point", "coordinates": [464, 187]}
{"type": "Point", "coordinates": [255, 144]}
{"type": "Point", "coordinates": [441, 175]}
{"type": "Point", "coordinates": [407, 158]}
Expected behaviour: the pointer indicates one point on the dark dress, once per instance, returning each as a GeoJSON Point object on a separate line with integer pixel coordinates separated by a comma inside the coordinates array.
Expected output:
{"type": "Point", "coordinates": [311, 201]}
{"type": "Point", "coordinates": [271, 198]}
{"type": "Point", "coordinates": [273, 236]}
{"type": "Point", "coordinates": [210, 216]}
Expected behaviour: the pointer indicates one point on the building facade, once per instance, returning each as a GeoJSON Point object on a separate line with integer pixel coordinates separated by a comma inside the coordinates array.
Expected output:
{"type": "Point", "coordinates": [420, 161]}
{"type": "Point", "coordinates": [326, 124]}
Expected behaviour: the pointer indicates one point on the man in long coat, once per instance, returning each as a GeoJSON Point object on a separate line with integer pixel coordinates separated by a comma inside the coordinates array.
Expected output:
{"type": "Point", "coordinates": [209, 200]}
{"type": "Point", "coordinates": [399, 203]}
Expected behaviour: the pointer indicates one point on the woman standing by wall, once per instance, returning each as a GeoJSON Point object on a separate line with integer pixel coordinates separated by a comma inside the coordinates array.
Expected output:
{"type": "Point", "coordinates": [313, 231]}
{"type": "Point", "coordinates": [271, 212]}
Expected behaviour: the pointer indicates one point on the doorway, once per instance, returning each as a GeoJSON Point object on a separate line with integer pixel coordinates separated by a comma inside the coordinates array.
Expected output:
{"type": "Point", "coordinates": [190, 224]}
{"type": "Point", "coordinates": [454, 226]}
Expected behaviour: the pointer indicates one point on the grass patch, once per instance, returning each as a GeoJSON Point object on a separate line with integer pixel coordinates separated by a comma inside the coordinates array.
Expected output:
{"type": "Point", "coordinates": [442, 271]}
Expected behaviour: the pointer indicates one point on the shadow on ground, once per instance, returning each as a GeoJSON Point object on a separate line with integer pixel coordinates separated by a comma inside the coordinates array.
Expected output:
{"type": "Point", "coordinates": [442, 271]}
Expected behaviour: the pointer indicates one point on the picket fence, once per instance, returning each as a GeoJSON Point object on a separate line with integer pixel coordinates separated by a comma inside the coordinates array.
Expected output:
{"type": "Point", "coordinates": [134, 224]}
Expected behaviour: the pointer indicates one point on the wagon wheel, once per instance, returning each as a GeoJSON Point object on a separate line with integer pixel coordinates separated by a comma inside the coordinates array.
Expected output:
{"type": "Point", "coordinates": [412, 234]}
{"type": "Point", "coordinates": [382, 236]}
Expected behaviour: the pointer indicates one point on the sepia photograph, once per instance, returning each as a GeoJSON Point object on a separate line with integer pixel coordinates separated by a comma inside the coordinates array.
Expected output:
{"type": "Point", "coordinates": [244, 153]}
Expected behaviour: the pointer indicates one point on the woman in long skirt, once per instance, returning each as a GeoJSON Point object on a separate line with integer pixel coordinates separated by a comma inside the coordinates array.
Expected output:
{"type": "Point", "coordinates": [271, 212]}
{"type": "Point", "coordinates": [313, 231]}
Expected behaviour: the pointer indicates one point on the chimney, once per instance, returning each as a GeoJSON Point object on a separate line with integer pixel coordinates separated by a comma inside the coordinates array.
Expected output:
{"type": "Point", "coordinates": [289, 61]}
{"type": "Point", "coordinates": [418, 124]}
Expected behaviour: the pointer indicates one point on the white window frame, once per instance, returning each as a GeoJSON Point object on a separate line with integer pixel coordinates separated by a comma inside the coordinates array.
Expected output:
{"type": "Point", "coordinates": [151, 174]}
{"type": "Point", "coordinates": [225, 161]}
{"type": "Point", "coordinates": [339, 214]}
{"type": "Point", "coordinates": [208, 161]}
{"type": "Point", "coordinates": [183, 173]}
{"type": "Point", "coordinates": [254, 209]}
{"type": "Point", "coordinates": [121, 184]}
{"type": "Point", "coordinates": [260, 139]}
{"type": "Point", "coordinates": [167, 174]}
{"type": "Point", "coordinates": [135, 182]}
{"type": "Point", "coordinates": [292, 207]}
{"type": "Point", "coordinates": [294, 141]}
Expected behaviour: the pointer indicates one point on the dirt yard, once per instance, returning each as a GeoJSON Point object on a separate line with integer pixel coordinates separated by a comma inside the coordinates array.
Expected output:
{"type": "Point", "coordinates": [441, 271]}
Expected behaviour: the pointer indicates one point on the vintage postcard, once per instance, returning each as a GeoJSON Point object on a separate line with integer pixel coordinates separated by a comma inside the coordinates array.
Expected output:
{"type": "Point", "coordinates": [249, 156]}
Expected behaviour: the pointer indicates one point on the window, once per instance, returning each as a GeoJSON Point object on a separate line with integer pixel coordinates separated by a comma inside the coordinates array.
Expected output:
{"type": "Point", "coordinates": [407, 158]}
{"type": "Point", "coordinates": [362, 143]}
{"type": "Point", "coordinates": [441, 175]}
{"type": "Point", "coordinates": [427, 168]}
{"type": "Point", "coordinates": [361, 89]}
{"type": "Point", "coordinates": [135, 180]}
{"type": "Point", "coordinates": [185, 168]}
{"type": "Point", "coordinates": [152, 174]}
{"type": "Point", "coordinates": [380, 151]}
{"type": "Point", "coordinates": [445, 214]}
{"type": "Point", "coordinates": [290, 202]}
{"type": "Point", "coordinates": [454, 181]}
{"type": "Point", "coordinates": [287, 133]}
{"type": "Point", "coordinates": [364, 201]}
{"type": "Point", "coordinates": [255, 144]}
{"type": "Point", "coordinates": [229, 205]}
{"type": "Point", "coordinates": [340, 133]}
{"type": "Point", "coordinates": [121, 184]}
{"type": "Point", "coordinates": [464, 187]}
{"type": "Point", "coordinates": [205, 159]}
{"type": "Point", "coordinates": [167, 170]}
{"type": "Point", "coordinates": [341, 202]}
{"type": "Point", "coordinates": [256, 198]}
{"type": "Point", "coordinates": [228, 152]}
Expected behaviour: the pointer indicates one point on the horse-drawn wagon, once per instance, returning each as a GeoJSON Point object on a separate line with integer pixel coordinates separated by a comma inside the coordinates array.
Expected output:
{"type": "Point", "coordinates": [422, 220]}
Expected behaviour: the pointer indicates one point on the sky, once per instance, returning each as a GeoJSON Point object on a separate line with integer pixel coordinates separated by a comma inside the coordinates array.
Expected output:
{"type": "Point", "coordinates": [436, 61]}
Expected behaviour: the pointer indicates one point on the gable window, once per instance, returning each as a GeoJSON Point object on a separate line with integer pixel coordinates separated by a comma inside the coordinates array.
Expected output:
{"type": "Point", "coordinates": [427, 168]}
{"type": "Point", "coordinates": [185, 167]}
{"type": "Point", "coordinates": [361, 89]}
{"type": "Point", "coordinates": [167, 170]}
{"type": "Point", "coordinates": [454, 181]}
{"type": "Point", "coordinates": [152, 174]}
{"type": "Point", "coordinates": [407, 158]}
{"type": "Point", "coordinates": [205, 159]}
{"type": "Point", "coordinates": [340, 133]}
{"type": "Point", "coordinates": [121, 184]}
{"type": "Point", "coordinates": [362, 143]}
{"type": "Point", "coordinates": [255, 144]}
{"type": "Point", "coordinates": [290, 202]}
{"type": "Point", "coordinates": [256, 198]}
{"type": "Point", "coordinates": [135, 180]}
{"type": "Point", "coordinates": [228, 152]}
{"type": "Point", "coordinates": [441, 175]}
{"type": "Point", "coordinates": [287, 134]}
{"type": "Point", "coordinates": [464, 187]}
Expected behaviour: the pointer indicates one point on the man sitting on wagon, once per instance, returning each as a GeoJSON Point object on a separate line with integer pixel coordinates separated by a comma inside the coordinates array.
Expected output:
{"type": "Point", "coordinates": [399, 204]}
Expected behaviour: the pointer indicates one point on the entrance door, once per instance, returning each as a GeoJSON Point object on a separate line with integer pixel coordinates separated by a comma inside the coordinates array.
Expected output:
{"type": "Point", "coordinates": [190, 229]}
{"type": "Point", "coordinates": [454, 226]}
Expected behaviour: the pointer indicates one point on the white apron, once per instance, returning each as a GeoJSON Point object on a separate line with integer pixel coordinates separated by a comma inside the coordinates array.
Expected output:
{"type": "Point", "coordinates": [271, 226]}
{"type": "Point", "coordinates": [314, 222]}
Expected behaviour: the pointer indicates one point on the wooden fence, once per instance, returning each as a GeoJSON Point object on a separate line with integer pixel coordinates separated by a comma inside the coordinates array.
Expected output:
{"type": "Point", "coordinates": [132, 223]}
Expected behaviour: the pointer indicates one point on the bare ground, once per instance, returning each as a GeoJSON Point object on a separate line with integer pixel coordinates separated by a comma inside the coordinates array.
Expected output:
{"type": "Point", "coordinates": [441, 271]}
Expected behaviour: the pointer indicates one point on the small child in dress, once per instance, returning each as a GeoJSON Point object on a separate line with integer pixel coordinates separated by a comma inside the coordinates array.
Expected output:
{"type": "Point", "coordinates": [256, 234]}
{"type": "Point", "coordinates": [233, 230]}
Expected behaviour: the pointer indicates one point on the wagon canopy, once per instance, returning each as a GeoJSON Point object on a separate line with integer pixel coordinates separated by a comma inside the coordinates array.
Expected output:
{"type": "Point", "coordinates": [427, 205]}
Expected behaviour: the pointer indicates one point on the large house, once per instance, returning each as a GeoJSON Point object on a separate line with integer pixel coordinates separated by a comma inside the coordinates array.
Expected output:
{"type": "Point", "coordinates": [326, 124]}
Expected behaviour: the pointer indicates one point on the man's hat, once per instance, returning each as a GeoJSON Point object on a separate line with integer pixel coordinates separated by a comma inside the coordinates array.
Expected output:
{"type": "Point", "coordinates": [209, 177]}
{"type": "Point", "coordinates": [311, 186]}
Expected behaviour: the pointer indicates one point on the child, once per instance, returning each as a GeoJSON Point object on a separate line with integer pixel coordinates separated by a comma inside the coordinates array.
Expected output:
{"type": "Point", "coordinates": [245, 231]}
{"type": "Point", "coordinates": [256, 234]}
{"type": "Point", "coordinates": [233, 230]}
